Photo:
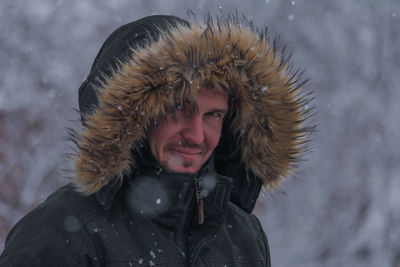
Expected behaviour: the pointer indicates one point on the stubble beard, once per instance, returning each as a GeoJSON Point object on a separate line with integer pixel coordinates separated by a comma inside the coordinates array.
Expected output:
{"type": "Point", "coordinates": [172, 163]}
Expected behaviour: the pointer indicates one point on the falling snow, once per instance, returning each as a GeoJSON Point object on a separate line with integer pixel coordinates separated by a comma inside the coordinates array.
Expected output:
{"type": "Point", "coordinates": [341, 66]}
{"type": "Point", "coordinates": [152, 254]}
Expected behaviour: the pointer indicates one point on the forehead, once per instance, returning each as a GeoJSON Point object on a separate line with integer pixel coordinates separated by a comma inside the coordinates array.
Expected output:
{"type": "Point", "coordinates": [211, 91]}
{"type": "Point", "coordinates": [212, 97]}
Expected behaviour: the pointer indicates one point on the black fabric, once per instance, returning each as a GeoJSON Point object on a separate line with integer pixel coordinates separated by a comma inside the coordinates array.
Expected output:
{"type": "Point", "coordinates": [246, 186]}
{"type": "Point", "coordinates": [69, 229]}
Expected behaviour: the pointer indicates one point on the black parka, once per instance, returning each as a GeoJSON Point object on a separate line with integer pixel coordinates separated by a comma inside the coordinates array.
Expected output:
{"type": "Point", "coordinates": [135, 228]}
{"type": "Point", "coordinates": [122, 209]}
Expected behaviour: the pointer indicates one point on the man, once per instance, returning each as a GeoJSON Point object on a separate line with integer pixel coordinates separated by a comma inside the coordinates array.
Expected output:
{"type": "Point", "coordinates": [182, 125]}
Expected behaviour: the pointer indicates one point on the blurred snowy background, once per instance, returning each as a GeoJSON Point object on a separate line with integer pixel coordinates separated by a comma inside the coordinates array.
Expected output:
{"type": "Point", "coordinates": [343, 211]}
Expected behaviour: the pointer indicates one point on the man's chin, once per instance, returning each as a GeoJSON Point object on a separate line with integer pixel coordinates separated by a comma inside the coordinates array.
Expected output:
{"type": "Point", "coordinates": [182, 166]}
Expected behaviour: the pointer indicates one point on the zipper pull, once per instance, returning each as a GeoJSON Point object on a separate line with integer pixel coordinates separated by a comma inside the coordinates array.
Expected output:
{"type": "Point", "coordinates": [200, 204]}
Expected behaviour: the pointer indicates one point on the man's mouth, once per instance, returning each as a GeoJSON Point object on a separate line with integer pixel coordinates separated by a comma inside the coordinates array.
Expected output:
{"type": "Point", "coordinates": [186, 153]}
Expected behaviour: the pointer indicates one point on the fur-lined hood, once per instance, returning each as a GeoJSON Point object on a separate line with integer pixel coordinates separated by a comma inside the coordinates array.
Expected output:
{"type": "Point", "coordinates": [267, 107]}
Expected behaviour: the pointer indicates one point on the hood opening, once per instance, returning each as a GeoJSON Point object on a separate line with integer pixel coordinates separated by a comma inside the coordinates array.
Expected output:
{"type": "Point", "coordinates": [144, 67]}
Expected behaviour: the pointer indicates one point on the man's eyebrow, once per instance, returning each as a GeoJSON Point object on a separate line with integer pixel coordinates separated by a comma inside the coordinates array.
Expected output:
{"type": "Point", "coordinates": [189, 102]}
{"type": "Point", "coordinates": [219, 110]}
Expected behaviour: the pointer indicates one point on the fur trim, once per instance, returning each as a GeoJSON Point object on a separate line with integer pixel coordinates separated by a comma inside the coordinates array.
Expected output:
{"type": "Point", "coordinates": [268, 108]}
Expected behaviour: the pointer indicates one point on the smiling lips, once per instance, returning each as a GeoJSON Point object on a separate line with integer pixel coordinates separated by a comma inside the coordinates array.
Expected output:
{"type": "Point", "coordinates": [186, 153]}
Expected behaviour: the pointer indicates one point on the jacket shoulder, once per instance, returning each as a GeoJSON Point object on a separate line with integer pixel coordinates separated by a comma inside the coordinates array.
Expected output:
{"type": "Point", "coordinates": [249, 221]}
{"type": "Point", "coordinates": [53, 233]}
{"type": "Point", "coordinates": [66, 201]}
{"type": "Point", "coordinates": [245, 229]}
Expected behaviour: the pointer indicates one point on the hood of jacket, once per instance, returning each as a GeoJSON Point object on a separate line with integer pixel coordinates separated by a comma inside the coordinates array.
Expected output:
{"type": "Point", "coordinates": [148, 66]}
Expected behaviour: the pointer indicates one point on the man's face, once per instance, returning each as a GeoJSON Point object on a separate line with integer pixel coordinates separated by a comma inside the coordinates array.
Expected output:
{"type": "Point", "coordinates": [185, 144]}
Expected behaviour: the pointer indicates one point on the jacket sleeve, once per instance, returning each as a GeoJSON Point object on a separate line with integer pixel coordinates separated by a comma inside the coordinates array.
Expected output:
{"type": "Point", "coordinates": [265, 241]}
{"type": "Point", "coordinates": [42, 241]}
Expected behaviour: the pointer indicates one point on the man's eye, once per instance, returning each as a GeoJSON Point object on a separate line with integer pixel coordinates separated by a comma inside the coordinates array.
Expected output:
{"type": "Point", "coordinates": [178, 107]}
{"type": "Point", "coordinates": [215, 114]}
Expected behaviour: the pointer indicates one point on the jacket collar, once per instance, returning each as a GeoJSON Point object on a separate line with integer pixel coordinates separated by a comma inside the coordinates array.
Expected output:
{"type": "Point", "coordinates": [242, 192]}
{"type": "Point", "coordinates": [170, 198]}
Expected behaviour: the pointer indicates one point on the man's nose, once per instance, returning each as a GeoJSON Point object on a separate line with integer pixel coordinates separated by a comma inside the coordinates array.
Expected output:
{"type": "Point", "coordinates": [193, 131]}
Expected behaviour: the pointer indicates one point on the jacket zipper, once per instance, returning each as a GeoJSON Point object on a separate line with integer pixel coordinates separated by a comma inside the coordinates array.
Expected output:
{"type": "Point", "coordinates": [200, 202]}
